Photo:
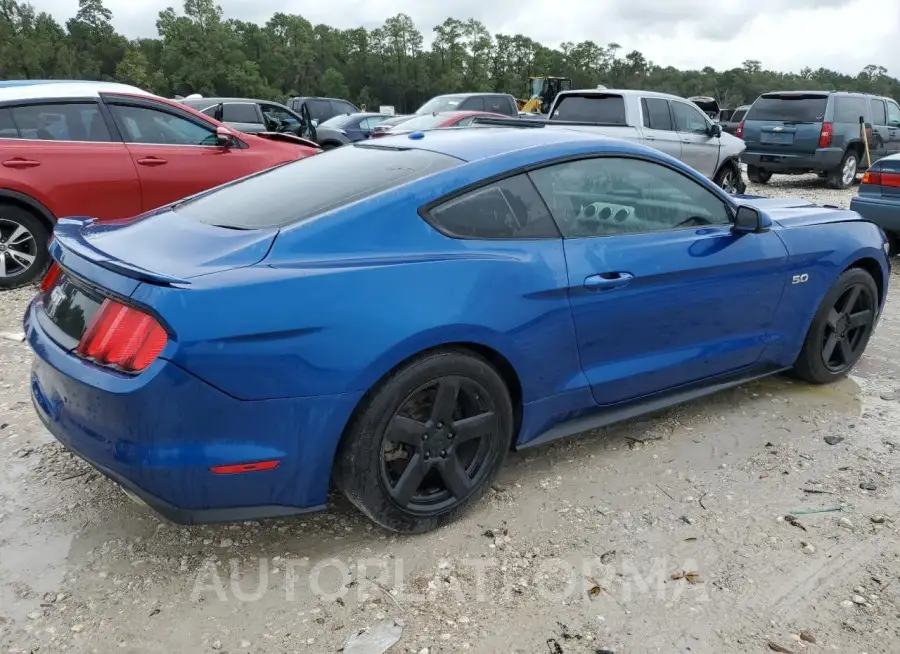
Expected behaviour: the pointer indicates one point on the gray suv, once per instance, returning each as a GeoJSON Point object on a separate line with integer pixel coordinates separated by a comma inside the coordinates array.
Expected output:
{"type": "Point", "coordinates": [799, 132]}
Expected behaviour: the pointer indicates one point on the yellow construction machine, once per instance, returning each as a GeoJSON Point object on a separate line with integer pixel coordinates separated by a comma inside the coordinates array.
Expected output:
{"type": "Point", "coordinates": [542, 91]}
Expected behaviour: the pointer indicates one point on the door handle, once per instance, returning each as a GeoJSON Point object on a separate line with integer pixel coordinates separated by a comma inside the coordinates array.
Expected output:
{"type": "Point", "coordinates": [152, 161]}
{"type": "Point", "coordinates": [649, 138]}
{"type": "Point", "coordinates": [604, 281]}
{"type": "Point", "coordinates": [686, 141]}
{"type": "Point", "coordinates": [21, 163]}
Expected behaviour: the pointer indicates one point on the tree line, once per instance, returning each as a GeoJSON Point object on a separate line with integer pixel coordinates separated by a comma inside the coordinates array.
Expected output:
{"type": "Point", "coordinates": [198, 50]}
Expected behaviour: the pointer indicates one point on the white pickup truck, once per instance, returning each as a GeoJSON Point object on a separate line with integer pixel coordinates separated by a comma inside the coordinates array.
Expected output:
{"type": "Point", "coordinates": [665, 122]}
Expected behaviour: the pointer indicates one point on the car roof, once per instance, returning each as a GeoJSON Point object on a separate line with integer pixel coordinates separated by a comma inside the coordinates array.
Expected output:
{"type": "Point", "coordinates": [216, 100]}
{"type": "Point", "coordinates": [57, 90]}
{"type": "Point", "coordinates": [643, 94]}
{"type": "Point", "coordinates": [469, 95]}
{"type": "Point", "coordinates": [475, 144]}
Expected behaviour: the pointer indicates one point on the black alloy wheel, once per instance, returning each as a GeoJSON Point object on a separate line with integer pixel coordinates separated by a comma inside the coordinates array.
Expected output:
{"type": "Point", "coordinates": [435, 447]}
{"type": "Point", "coordinates": [847, 327]}
{"type": "Point", "coordinates": [426, 442]}
{"type": "Point", "coordinates": [840, 329]}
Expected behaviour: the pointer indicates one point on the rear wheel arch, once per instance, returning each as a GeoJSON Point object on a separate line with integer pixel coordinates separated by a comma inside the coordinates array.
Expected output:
{"type": "Point", "coordinates": [731, 163]}
{"type": "Point", "coordinates": [28, 203]}
{"type": "Point", "coordinates": [500, 363]}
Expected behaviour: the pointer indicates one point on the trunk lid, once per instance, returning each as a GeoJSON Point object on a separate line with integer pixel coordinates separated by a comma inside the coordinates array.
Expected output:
{"type": "Point", "coordinates": [160, 248]}
{"type": "Point", "coordinates": [785, 123]}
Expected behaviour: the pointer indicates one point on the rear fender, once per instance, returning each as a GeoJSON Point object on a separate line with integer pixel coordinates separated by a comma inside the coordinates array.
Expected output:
{"type": "Point", "coordinates": [31, 203]}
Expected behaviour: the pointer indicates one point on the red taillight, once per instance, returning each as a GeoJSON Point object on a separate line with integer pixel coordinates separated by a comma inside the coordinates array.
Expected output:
{"type": "Point", "coordinates": [122, 337]}
{"type": "Point", "coordinates": [876, 178]}
{"type": "Point", "coordinates": [825, 135]}
{"type": "Point", "coordinates": [739, 132]}
{"type": "Point", "coordinates": [50, 278]}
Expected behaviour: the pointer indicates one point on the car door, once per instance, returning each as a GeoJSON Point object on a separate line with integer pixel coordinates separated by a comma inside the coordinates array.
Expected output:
{"type": "Point", "coordinates": [659, 128]}
{"type": "Point", "coordinates": [175, 152]}
{"type": "Point", "coordinates": [64, 155]}
{"type": "Point", "coordinates": [893, 124]}
{"type": "Point", "coordinates": [880, 133]}
{"type": "Point", "coordinates": [699, 150]}
{"type": "Point", "coordinates": [276, 116]}
{"type": "Point", "coordinates": [662, 292]}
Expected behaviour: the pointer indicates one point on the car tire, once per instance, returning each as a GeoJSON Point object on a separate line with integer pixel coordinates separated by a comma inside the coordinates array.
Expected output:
{"type": "Point", "coordinates": [406, 483]}
{"type": "Point", "coordinates": [758, 175]}
{"type": "Point", "coordinates": [844, 176]}
{"type": "Point", "coordinates": [22, 235]}
{"type": "Point", "coordinates": [329, 146]}
{"type": "Point", "coordinates": [833, 345]}
{"type": "Point", "coordinates": [730, 180]}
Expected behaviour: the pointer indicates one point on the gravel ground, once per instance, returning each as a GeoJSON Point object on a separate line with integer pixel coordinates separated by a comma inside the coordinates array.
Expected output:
{"type": "Point", "coordinates": [663, 535]}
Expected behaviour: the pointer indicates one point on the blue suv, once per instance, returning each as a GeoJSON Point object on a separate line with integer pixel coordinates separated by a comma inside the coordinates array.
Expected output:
{"type": "Point", "coordinates": [799, 132]}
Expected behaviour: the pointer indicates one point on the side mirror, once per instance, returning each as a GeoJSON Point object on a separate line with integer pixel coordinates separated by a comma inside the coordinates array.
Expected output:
{"type": "Point", "coordinates": [895, 123]}
{"type": "Point", "coordinates": [715, 130]}
{"type": "Point", "coordinates": [748, 220]}
{"type": "Point", "coordinates": [224, 137]}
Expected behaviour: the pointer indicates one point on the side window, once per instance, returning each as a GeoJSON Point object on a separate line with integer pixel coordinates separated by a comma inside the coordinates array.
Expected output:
{"type": "Point", "coordinates": [496, 104]}
{"type": "Point", "coordinates": [474, 103]}
{"type": "Point", "coordinates": [319, 109]}
{"type": "Point", "coordinates": [61, 122]}
{"type": "Point", "coordinates": [370, 122]}
{"type": "Point", "coordinates": [879, 115]}
{"type": "Point", "coordinates": [656, 114]}
{"type": "Point", "coordinates": [848, 108]}
{"type": "Point", "coordinates": [8, 128]}
{"type": "Point", "coordinates": [689, 119]}
{"type": "Point", "coordinates": [340, 107]}
{"type": "Point", "coordinates": [211, 111]}
{"type": "Point", "coordinates": [893, 113]}
{"type": "Point", "coordinates": [271, 111]}
{"type": "Point", "coordinates": [295, 104]}
{"type": "Point", "coordinates": [149, 126]}
{"type": "Point", "coordinates": [608, 196]}
{"type": "Point", "coordinates": [508, 209]}
{"type": "Point", "coordinates": [240, 112]}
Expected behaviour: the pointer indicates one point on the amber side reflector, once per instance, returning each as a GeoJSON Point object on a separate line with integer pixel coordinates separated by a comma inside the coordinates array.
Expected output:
{"type": "Point", "coordinates": [237, 468]}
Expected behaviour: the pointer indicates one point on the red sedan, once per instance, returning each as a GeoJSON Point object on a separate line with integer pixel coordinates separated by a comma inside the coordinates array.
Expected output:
{"type": "Point", "coordinates": [108, 151]}
{"type": "Point", "coordinates": [437, 120]}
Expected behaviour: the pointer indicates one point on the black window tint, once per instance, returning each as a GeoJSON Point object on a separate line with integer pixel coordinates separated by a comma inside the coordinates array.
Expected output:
{"type": "Point", "coordinates": [303, 189]}
{"type": "Point", "coordinates": [239, 112]}
{"type": "Point", "coordinates": [607, 196]}
{"type": "Point", "coordinates": [656, 114]}
{"type": "Point", "coordinates": [61, 122]}
{"type": "Point", "coordinates": [508, 209]}
{"type": "Point", "coordinates": [341, 107]}
{"type": "Point", "coordinates": [7, 126]}
{"type": "Point", "coordinates": [795, 107]}
{"type": "Point", "coordinates": [848, 109]}
{"type": "Point", "coordinates": [496, 104]}
{"type": "Point", "coordinates": [879, 115]}
{"type": "Point", "coordinates": [609, 109]}
{"type": "Point", "coordinates": [319, 109]}
{"type": "Point", "coordinates": [689, 119]}
{"type": "Point", "coordinates": [475, 103]}
{"type": "Point", "coordinates": [145, 125]}
{"type": "Point", "coordinates": [738, 115]}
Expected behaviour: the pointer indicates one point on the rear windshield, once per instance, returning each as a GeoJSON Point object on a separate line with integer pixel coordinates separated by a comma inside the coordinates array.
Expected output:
{"type": "Point", "coordinates": [609, 109]}
{"type": "Point", "coordinates": [789, 108]}
{"type": "Point", "coordinates": [442, 103]}
{"type": "Point", "coordinates": [337, 121]}
{"type": "Point", "coordinates": [300, 190]}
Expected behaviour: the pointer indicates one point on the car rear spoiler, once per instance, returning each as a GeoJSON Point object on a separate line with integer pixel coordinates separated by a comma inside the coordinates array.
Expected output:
{"type": "Point", "coordinates": [68, 236]}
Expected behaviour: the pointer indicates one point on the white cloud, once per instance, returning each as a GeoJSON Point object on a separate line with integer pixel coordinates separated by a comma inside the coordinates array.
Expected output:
{"type": "Point", "coordinates": [843, 35]}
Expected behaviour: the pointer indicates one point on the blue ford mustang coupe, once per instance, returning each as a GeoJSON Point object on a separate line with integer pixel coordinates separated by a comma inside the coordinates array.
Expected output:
{"type": "Point", "coordinates": [391, 317]}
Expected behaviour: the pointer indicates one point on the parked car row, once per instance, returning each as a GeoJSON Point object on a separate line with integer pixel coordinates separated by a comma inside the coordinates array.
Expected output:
{"type": "Point", "coordinates": [108, 151]}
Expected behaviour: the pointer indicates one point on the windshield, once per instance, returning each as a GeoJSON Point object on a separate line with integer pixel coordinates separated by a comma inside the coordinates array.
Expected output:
{"type": "Point", "coordinates": [304, 189]}
{"type": "Point", "coordinates": [442, 103]}
{"type": "Point", "coordinates": [336, 121]}
{"type": "Point", "coordinates": [789, 108]}
{"type": "Point", "coordinates": [429, 121]}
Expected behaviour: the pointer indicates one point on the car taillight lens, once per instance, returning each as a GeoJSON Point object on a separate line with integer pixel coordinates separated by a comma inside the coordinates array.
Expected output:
{"type": "Point", "coordinates": [877, 178]}
{"type": "Point", "coordinates": [739, 132]}
{"type": "Point", "coordinates": [825, 135]}
{"type": "Point", "coordinates": [50, 278]}
{"type": "Point", "coordinates": [122, 337]}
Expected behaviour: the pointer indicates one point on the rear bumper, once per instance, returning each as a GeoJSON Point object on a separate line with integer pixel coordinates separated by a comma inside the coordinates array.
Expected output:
{"type": "Point", "coordinates": [881, 211]}
{"type": "Point", "coordinates": [822, 160]}
{"type": "Point", "coordinates": [158, 433]}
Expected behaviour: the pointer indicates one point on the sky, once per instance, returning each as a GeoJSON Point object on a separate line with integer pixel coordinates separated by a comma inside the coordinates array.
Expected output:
{"type": "Point", "coordinates": [787, 35]}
